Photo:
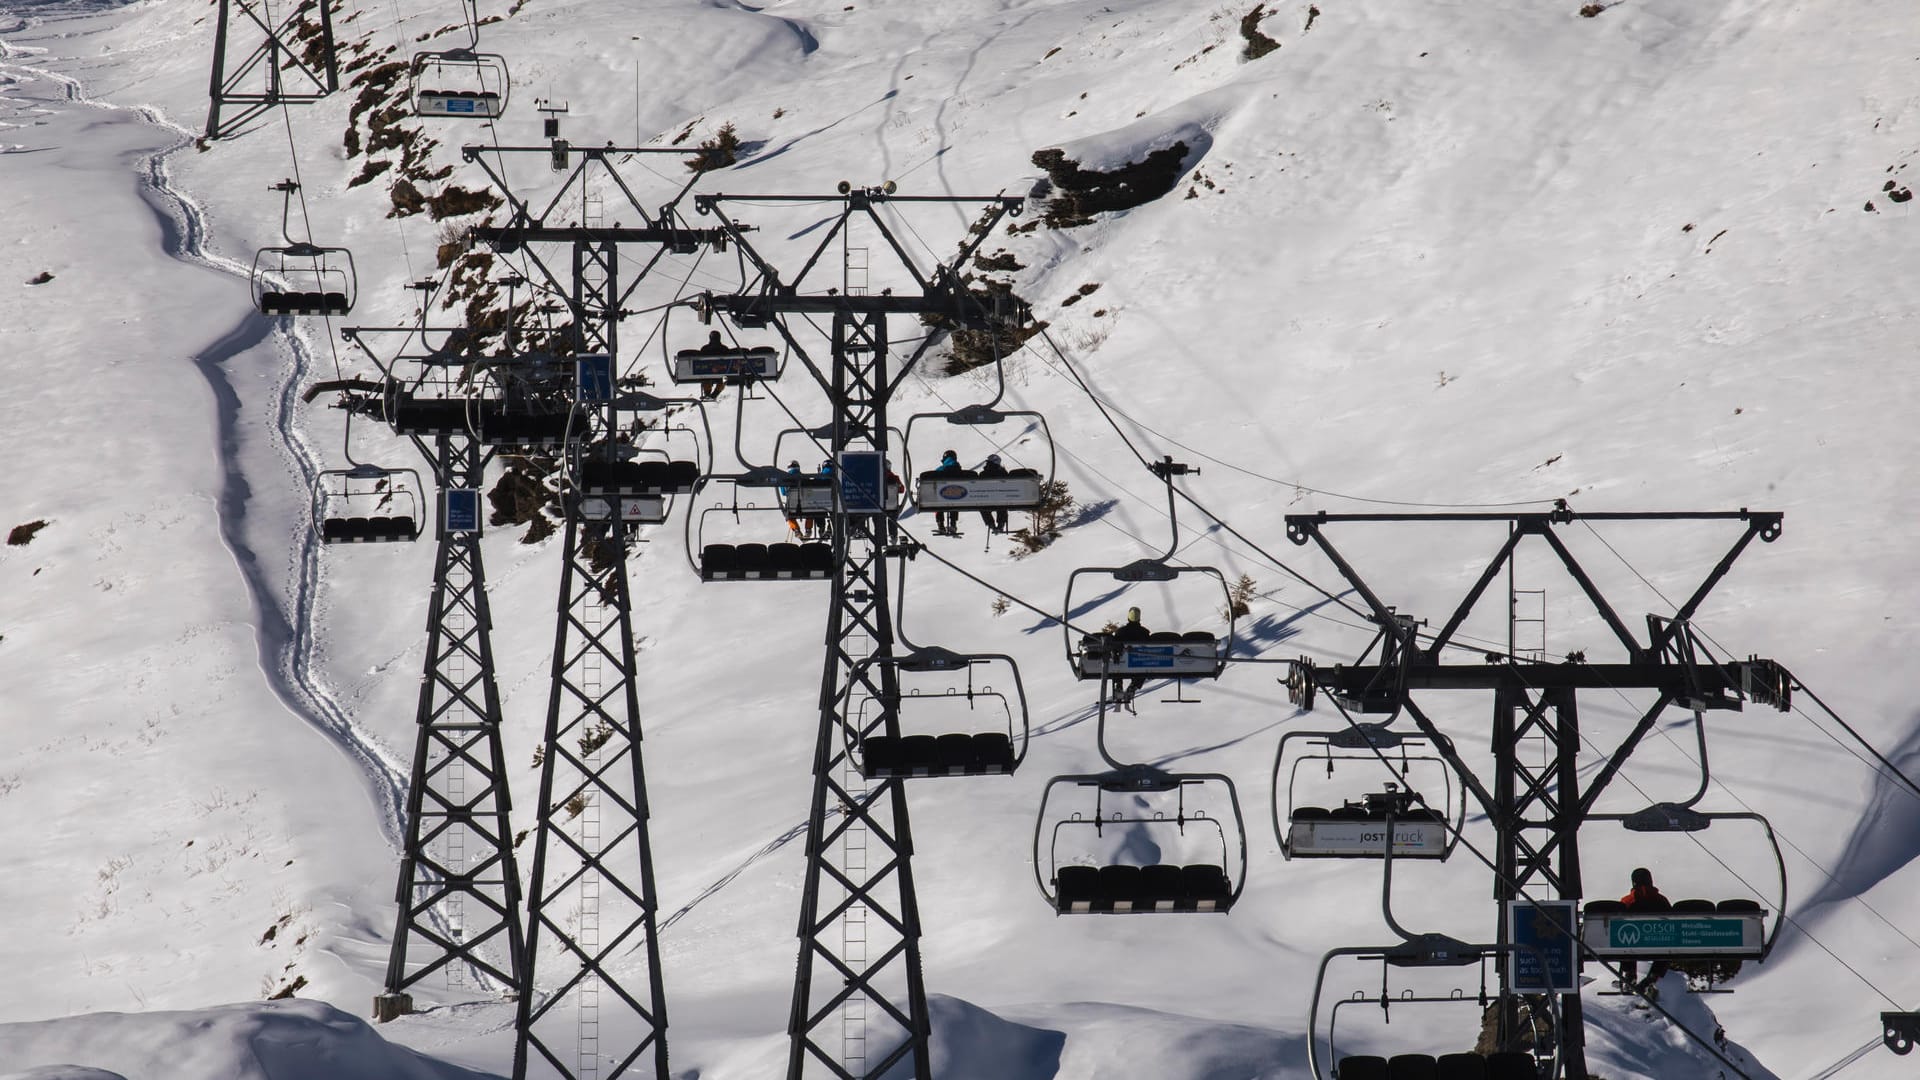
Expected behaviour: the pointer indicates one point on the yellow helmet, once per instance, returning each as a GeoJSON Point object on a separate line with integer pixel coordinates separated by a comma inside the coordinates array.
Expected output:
{"type": "Point", "coordinates": [1133, 614]}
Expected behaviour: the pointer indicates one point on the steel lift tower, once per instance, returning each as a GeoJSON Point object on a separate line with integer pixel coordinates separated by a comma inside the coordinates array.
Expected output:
{"type": "Point", "coordinates": [290, 61]}
{"type": "Point", "coordinates": [591, 901]}
{"type": "Point", "coordinates": [859, 923]}
{"type": "Point", "coordinates": [1536, 802]}
{"type": "Point", "coordinates": [459, 889]}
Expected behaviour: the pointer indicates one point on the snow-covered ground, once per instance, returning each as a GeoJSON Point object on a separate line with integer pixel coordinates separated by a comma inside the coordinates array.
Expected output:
{"type": "Point", "coordinates": [1470, 255]}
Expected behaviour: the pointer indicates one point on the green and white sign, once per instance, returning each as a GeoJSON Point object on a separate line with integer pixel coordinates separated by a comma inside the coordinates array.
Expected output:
{"type": "Point", "coordinates": [1676, 933]}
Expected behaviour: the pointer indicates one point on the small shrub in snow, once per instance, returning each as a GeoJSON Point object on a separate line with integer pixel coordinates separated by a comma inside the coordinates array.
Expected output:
{"type": "Point", "coordinates": [22, 535]}
{"type": "Point", "coordinates": [717, 152]}
{"type": "Point", "coordinates": [1045, 520]}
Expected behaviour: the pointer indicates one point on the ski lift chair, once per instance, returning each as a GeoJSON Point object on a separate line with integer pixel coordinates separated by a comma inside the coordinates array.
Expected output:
{"type": "Point", "coordinates": [1706, 938]}
{"type": "Point", "coordinates": [303, 279]}
{"type": "Point", "coordinates": [367, 504]}
{"type": "Point", "coordinates": [716, 560]}
{"type": "Point", "coordinates": [610, 467]}
{"type": "Point", "coordinates": [1420, 951]}
{"type": "Point", "coordinates": [994, 752]}
{"type": "Point", "coordinates": [966, 489]}
{"type": "Point", "coordinates": [1100, 884]}
{"type": "Point", "coordinates": [525, 404]}
{"type": "Point", "coordinates": [1358, 828]}
{"type": "Point", "coordinates": [1197, 654]}
{"type": "Point", "coordinates": [459, 83]}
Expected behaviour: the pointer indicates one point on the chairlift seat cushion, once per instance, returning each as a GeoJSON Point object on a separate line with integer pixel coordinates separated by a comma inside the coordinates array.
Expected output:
{"type": "Point", "coordinates": [1120, 886]}
{"type": "Point", "coordinates": [1605, 907]}
{"type": "Point", "coordinates": [990, 752]}
{"type": "Point", "coordinates": [1739, 907]}
{"type": "Point", "coordinates": [1413, 1067]}
{"type": "Point", "coordinates": [1076, 888]}
{"type": "Point", "coordinates": [1351, 813]}
{"type": "Point", "coordinates": [1462, 1067]}
{"type": "Point", "coordinates": [1361, 1067]}
{"type": "Point", "coordinates": [717, 562]}
{"type": "Point", "coordinates": [880, 756]}
{"type": "Point", "coordinates": [1697, 907]}
{"type": "Point", "coordinates": [817, 558]}
{"type": "Point", "coordinates": [784, 560]}
{"type": "Point", "coordinates": [427, 416]}
{"type": "Point", "coordinates": [1312, 813]}
{"type": "Point", "coordinates": [1511, 1065]}
{"type": "Point", "coordinates": [1205, 887]}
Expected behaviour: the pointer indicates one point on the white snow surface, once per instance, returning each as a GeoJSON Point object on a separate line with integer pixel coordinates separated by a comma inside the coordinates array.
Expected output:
{"type": "Point", "coordinates": [1473, 255]}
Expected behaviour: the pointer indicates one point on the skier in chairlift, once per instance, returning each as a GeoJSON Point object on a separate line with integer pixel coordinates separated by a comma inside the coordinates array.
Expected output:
{"type": "Point", "coordinates": [947, 522]}
{"type": "Point", "coordinates": [996, 518]}
{"type": "Point", "coordinates": [1642, 899]}
{"type": "Point", "coordinates": [1133, 630]}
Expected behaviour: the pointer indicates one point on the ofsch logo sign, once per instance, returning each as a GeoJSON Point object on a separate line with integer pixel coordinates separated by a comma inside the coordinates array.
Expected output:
{"type": "Point", "coordinates": [1627, 934]}
{"type": "Point", "coordinates": [953, 491]}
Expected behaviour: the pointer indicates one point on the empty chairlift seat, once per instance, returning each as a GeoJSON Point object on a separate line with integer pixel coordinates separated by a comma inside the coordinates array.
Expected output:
{"type": "Point", "coordinates": [765, 562]}
{"type": "Point", "coordinates": [651, 477]}
{"type": "Point", "coordinates": [368, 530]}
{"type": "Point", "coordinates": [1413, 1067]}
{"type": "Point", "coordinates": [1461, 1067]}
{"type": "Point", "coordinates": [956, 754]}
{"type": "Point", "coordinates": [303, 303]}
{"type": "Point", "coordinates": [412, 415]}
{"type": "Point", "coordinates": [503, 426]}
{"type": "Point", "coordinates": [1361, 1067]}
{"type": "Point", "coordinates": [1124, 889]}
{"type": "Point", "coordinates": [1512, 1065]}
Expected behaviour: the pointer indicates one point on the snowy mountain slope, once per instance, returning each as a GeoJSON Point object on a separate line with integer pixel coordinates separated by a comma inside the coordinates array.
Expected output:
{"type": "Point", "coordinates": [1384, 251]}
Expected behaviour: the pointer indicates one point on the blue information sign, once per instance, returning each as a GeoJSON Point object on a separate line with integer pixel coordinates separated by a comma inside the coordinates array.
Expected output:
{"type": "Point", "coordinates": [863, 480]}
{"type": "Point", "coordinates": [1544, 930]}
{"type": "Point", "coordinates": [462, 510]}
{"type": "Point", "coordinates": [593, 377]}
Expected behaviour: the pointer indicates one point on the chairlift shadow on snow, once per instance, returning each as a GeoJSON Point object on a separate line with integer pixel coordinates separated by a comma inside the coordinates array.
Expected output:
{"type": "Point", "coordinates": [1050, 622]}
{"type": "Point", "coordinates": [1088, 513]}
{"type": "Point", "coordinates": [1267, 631]}
{"type": "Point", "coordinates": [1167, 761]}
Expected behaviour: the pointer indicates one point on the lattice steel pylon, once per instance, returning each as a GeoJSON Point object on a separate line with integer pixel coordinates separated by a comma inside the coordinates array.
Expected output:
{"type": "Point", "coordinates": [292, 61]}
{"type": "Point", "coordinates": [1536, 807]}
{"type": "Point", "coordinates": [459, 889]}
{"type": "Point", "coordinates": [591, 894]}
{"type": "Point", "coordinates": [459, 886]}
{"type": "Point", "coordinates": [859, 929]}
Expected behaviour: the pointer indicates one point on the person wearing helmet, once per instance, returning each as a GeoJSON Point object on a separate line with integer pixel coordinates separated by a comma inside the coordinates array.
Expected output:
{"type": "Point", "coordinates": [1131, 631]}
{"type": "Point", "coordinates": [947, 522]}
{"type": "Point", "coordinates": [995, 518]}
{"type": "Point", "coordinates": [710, 388]}
{"type": "Point", "coordinates": [1643, 898]}
{"type": "Point", "coordinates": [799, 528]}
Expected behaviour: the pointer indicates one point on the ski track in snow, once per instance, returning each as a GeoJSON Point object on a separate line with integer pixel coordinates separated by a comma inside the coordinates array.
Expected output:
{"type": "Point", "coordinates": [285, 643]}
